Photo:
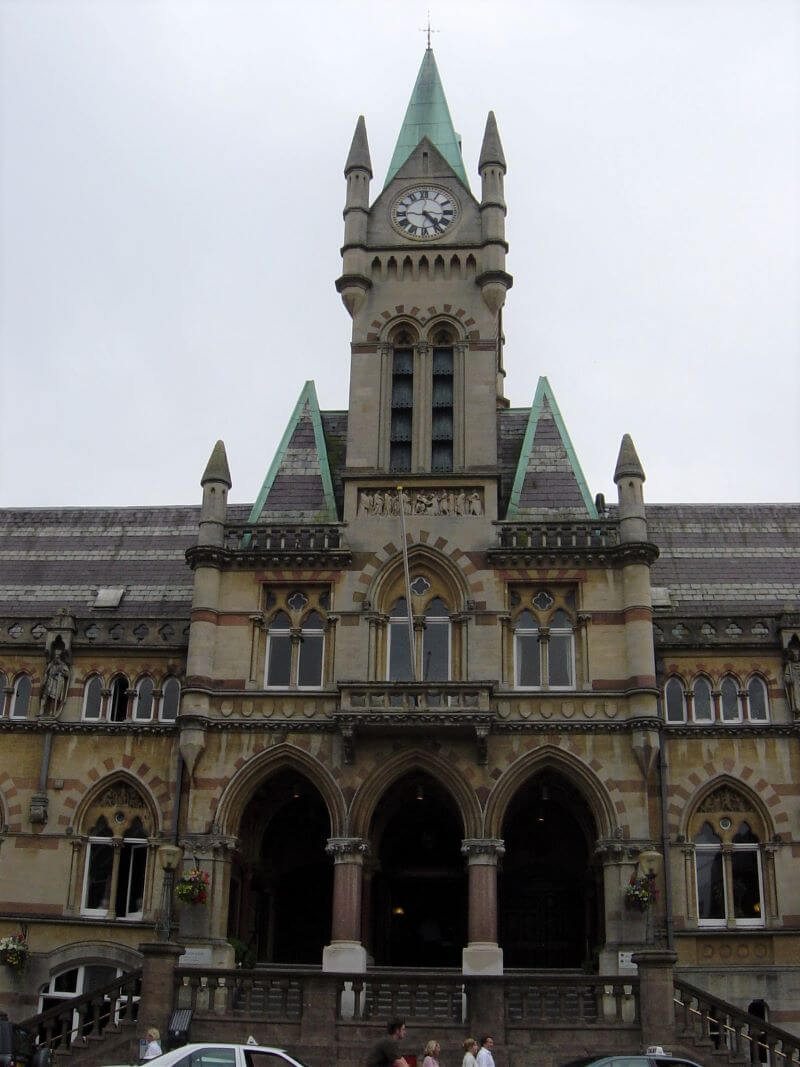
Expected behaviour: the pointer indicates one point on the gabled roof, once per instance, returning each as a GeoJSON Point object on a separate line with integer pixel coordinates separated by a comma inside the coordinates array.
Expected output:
{"type": "Point", "coordinates": [549, 482]}
{"type": "Point", "coordinates": [298, 486]}
{"type": "Point", "coordinates": [428, 116]}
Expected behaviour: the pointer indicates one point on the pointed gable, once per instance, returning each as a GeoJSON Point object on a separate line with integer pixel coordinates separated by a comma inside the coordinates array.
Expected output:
{"type": "Point", "coordinates": [549, 482]}
{"type": "Point", "coordinates": [428, 116]}
{"type": "Point", "coordinates": [298, 484]}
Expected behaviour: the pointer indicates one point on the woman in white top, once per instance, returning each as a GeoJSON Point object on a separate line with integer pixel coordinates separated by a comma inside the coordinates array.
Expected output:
{"type": "Point", "coordinates": [153, 1039]}
{"type": "Point", "coordinates": [432, 1050]}
{"type": "Point", "coordinates": [470, 1048]}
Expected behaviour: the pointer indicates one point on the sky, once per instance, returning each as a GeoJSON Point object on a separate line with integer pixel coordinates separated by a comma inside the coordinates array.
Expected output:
{"type": "Point", "coordinates": [171, 192]}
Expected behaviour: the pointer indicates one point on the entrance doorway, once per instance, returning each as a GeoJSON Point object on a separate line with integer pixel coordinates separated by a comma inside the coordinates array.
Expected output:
{"type": "Point", "coordinates": [282, 889]}
{"type": "Point", "coordinates": [419, 889]}
{"type": "Point", "coordinates": [550, 889]}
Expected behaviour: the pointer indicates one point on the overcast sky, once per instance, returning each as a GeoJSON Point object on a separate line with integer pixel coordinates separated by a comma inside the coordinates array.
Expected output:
{"type": "Point", "coordinates": [172, 193]}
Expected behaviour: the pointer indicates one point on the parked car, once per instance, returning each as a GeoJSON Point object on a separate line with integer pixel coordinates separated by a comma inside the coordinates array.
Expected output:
{"type": "Point", "coordinates": [209, 1054]}
{"type": "Point", "coordinates": [655, 1057]}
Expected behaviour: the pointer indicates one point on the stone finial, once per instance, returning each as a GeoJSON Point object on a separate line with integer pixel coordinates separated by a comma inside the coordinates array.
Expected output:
{"type": "Point", "coordinates": [628, 464]}
{"type": "Point", "coordinates": [217, 469]}
{"type": "Point", "coordinates": [358, 156]}
{"type": "Point", "coordinates": [491, 149]}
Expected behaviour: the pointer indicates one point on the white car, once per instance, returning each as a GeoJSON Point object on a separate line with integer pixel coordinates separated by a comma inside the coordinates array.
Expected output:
{"type": "Point", "coordinates": [211, 1054]}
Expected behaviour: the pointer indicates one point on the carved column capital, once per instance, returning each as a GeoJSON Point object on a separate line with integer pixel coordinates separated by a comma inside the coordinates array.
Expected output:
{"type": "Point", "coordinates": [485, 851]}
{"type": "Point", "coordinates": [347, 849]}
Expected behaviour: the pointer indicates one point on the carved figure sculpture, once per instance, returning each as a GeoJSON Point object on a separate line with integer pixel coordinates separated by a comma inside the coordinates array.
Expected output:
{"type": "Point", "coordinates": [54, 685]}
{"type": "Point", "coordinates": [791, 679]}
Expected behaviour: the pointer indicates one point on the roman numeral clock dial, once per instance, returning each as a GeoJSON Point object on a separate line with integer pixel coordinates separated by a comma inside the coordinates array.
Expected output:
{"type": "Point", "coordinates": [424, 212]}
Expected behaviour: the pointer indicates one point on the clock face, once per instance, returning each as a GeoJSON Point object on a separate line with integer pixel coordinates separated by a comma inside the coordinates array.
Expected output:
{"type": "Point", "coordinates": [424, 212]}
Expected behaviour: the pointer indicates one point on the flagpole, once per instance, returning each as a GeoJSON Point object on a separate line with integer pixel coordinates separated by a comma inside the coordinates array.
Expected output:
{"type": "Point", "coordinates": [411, 644]}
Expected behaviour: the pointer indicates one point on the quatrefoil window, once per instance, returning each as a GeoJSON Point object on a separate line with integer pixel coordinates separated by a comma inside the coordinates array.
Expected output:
{"type": "Point", "coordinates": [297, 601]}
{"type": "Point", "coordinates": [420, 586]}
{"type": "Point", "coordinates": [542, 600]}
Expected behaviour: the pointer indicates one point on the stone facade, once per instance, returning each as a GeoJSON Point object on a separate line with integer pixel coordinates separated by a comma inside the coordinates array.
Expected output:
{"type": "Point", "coordinates": [581, 694]}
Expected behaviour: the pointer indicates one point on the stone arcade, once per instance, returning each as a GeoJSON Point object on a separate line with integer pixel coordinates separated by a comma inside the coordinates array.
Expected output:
{"type": "Point", "coordinates": [461, 768]}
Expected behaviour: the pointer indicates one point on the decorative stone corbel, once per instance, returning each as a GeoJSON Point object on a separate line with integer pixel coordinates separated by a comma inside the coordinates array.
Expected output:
{"type": "Point", "coordinates": [646, 742]}
{"type": "Point", "coordinates": [192, 740]}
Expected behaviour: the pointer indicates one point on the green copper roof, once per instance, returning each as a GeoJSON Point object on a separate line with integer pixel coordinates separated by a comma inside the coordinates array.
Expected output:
{"type": "Point", "coordinates": [549, 479]}
{"type": "Point", "coordinates": [428, 116]}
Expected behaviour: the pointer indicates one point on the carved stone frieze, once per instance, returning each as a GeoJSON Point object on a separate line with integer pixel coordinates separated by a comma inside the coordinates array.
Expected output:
{"type": "Point", "coordinates": [461, 501]}
{"type": "Point", "coordinates": [121, 795]}
{"type": "Point", "coordinates": [483, 846]}
{"type": "Point", "coordinates": [725, 798]}
{"type": "Point", "coordinates": [344, 849]}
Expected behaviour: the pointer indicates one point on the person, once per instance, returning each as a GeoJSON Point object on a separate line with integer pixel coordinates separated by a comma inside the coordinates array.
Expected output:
{"type": "Point", "coordinates": [386, 1052]}
{"type": "Point", "coordinates": [485, 1057]}
{"type": "Point", "coordinates": [153, 1039]}
{"type": "Point", "coordinates": [432, 1051]}
{"type": "Point", "coordinates": [470, 1049]}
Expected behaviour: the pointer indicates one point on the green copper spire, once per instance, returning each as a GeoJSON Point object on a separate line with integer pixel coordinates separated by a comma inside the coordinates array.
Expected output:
{"type": "Point", "coordinates": [428, 116]}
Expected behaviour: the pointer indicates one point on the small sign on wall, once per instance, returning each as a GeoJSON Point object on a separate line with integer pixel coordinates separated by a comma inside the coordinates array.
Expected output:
{"type": "Point", "coordinates": [196, 957]}
{"type": "Point", "coordinates": [625, 962]}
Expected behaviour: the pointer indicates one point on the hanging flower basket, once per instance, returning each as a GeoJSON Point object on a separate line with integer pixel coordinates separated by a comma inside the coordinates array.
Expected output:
{"type": "Point", "coordinates": [192, 886]}
{"type": "Point", "coordinates": [14, 951]}
{"type": "Point", "coordinates": [641, 893]}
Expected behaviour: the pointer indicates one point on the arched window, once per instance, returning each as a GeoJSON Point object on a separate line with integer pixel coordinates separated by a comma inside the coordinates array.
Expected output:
{"type": "Point", "coordinates": [20, 704]}
{"type": "Point", "coordinates": [310, 653]}
{"type": "Point", "coordinates": [442, 403]}
{"type": "Point", "coordinates": [702, 703]}
{"type": "Point", "coordinates": [675, 701]}
{"type": "Point", "coordinates": [279, 651]}
{"type": "Point", "coordinates": [74, 982]}
{"type": "Point", "coordinates": [544, 642]}
{"type": "Point", "coordinates": [170, 700]}
{"type": "Point", "coordinates": [436, 642]}
{"type": "Point", "coordinates": [118, 701]}
{"type": "Point", "coordinates": [757, 700]}
{"type": "Point", "coordinates": [296, 638]}
{"type": "Point", "coordinates": [143, 701]}
{"type": "Point", "coordinates": [729, 699]}
{"type": "Point", "coordinates": [399, 658]}
{"type": "Point", "coordinates": [728, 854]}
{"type": "Point", "coordinates": [3, 687]}
{"type": "Point", "coordinates": [116, 855]}
{"type": "Point", "coordinates": [93, 697]}
{"type": "Point", "coordinates": [402, 402]}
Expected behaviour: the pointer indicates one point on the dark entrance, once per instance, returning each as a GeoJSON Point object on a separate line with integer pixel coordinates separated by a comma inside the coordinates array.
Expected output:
{"type": "Point", "coordinates": [419, 890]}
{"type": "Point", "coordinates": [550, 890]}
{"type": "Point", "coordinates": [282, 888]}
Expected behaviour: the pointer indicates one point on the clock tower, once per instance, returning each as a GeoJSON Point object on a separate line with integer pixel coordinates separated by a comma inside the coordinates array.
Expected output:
{"type": "Point", "coordinates": [424, 280]}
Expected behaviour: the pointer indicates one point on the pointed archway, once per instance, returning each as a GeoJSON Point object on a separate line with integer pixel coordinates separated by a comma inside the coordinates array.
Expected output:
{"type": "Point", "coordinates": [550, 888]}
{"type": "Point", "coordinates": [418, 889]}
{"type": "Point", "coordinates": [282, 885]}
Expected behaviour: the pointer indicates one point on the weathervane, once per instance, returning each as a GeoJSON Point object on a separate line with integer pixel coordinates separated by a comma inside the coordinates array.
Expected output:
{"type": "Point", "coordinates": [427, 29]}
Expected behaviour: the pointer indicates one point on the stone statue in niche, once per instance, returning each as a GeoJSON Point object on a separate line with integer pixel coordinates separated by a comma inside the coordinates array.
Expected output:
{"type": "Point", "coordinates": [54, 685]}
{"type": "Point", "coordinates": [791, 678]}
{"type": "Point", "coordinates": [387, 502]}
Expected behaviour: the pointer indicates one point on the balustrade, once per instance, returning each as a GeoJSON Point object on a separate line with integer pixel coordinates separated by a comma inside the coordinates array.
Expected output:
{"type": "Point", "coordinates": [256, 538]}
{"type": "Point", "coordinates": [239, 993]}
{"type": "Point", "coordinates": [415, 696]}
{"type": "Point", "coordinates": [572, 1001]}
{"type": "Point", "coordinates": [432, 998]}
{"type": "Point", "coordinates": [706, 1019]}
{"type": "Point", "coordinates": [76, 1020]}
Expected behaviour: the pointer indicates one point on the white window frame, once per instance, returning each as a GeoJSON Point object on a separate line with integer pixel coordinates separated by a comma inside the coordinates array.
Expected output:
{"type": "Point", "coordinates": [543, 649]}
{"type": "Point", "coordinates": [135, 716]}
{"type": "Point", "coordinates": [13, 714]}
{"type": "Point", "coordinates": [679, 682]}
{"type": "Point", "coordinates": [111, 842]}
{"type": "Point", "coordinates": [170, 682]}
{"type": "Point", "coordinates": [727, 891]}
{"type": "Point", "coordinates": [562, 631]}
{"type": "Point", "coordinates": [100, 913]}
{"type": "Point", "coordinates": [92, 718]}
{"type": "Point", "coordinates": [527, 631]}
{"type": "Point", "coordinates": [443, 621]}
{"type": "Point", "coordinates": [110, 708]}
{"type": "Point", "coordinates": [758, 680]}
{"type": "Point", "coordinates": [313, 631]}
{"type": "Point", "coordinates": [701, 679]}
{"type": "Point", "coordinates": [722, 716]}
{"type": "Point", "coordinates": [393, 621]}
{"type": "Point", "coordinates": [279, 631]}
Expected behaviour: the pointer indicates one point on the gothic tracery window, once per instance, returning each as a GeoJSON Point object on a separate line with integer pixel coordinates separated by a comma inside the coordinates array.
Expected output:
{"type": "Point", "coordinates": [728, 842]}
{"type": "Point", "coordinates": [20, 702]}
{"type": "Point", "coordinates": [442, 403]}
{"type": "Point", "coordinates": [295, 646]}
{"type": "Point", "coordinates": [544, 643]}
{"type": "Point", "coordinates": [402, 403]}
{"type": "Point", "coordinates": [432, 639]}
{"type": "Point", "coordinates": [115, 865]}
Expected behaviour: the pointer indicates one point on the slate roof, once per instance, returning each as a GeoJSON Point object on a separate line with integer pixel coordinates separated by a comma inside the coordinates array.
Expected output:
{"type": "Point", "coordinates": [727, 558]}
{"type": "Point", "coordinates": [298, 485]}
{"type": "Point", "coordinates": [549, 482]}
{"type": "Point", "coordinates": [52, 557]}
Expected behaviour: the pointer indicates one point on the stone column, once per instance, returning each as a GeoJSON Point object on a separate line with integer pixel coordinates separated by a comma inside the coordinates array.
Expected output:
{"type": "Point", "coordinates": [160, 958]}
{"type": "Point", "coordinates": [625, 929]}
{"type": "Point", "coordinates": [346, 952]}
{"type": "Point", "coordinates": [656, 992]}
{"type": "Point", "coordinates": [482, 955]}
